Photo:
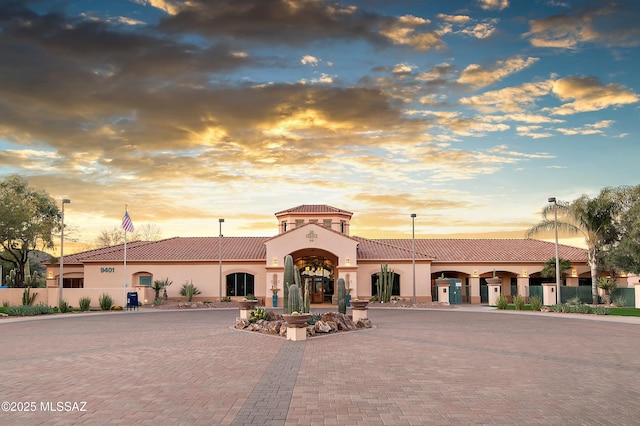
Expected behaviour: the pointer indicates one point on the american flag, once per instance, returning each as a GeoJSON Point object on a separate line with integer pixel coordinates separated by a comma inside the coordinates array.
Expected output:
{"type": "Point", "coordinates": [127, 225]}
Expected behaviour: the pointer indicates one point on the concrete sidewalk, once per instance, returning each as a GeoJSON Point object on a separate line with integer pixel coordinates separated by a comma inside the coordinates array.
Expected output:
{"type": "Point", "coordinates": [456, 366]}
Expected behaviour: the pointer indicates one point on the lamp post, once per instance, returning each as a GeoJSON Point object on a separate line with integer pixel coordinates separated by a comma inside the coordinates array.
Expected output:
{"type": "Point", "coordinates": [61, 279]}
{"type": "Point", "coordinates": [413, 252]}
{"type": "Point", "coordinates": [555, 219]}
{"type": "Point", "coordinates": [220, 221]}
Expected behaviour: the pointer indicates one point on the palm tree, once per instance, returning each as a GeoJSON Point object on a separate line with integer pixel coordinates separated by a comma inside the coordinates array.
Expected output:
{"type": "Point", "coordinates": [160, 285]}
{"type": "Point", "coordinates": [549, 268]}
{"type": "Point", "coordinates": [594, 218]}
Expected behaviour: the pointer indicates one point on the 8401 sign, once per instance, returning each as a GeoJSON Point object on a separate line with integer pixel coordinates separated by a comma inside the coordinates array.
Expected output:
{"type": "Point", "coordinates": [107, 270]}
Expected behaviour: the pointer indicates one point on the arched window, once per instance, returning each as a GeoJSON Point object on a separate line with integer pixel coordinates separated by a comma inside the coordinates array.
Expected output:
{"type": "Point", "coordinates": [240, 284]}
{"type": "Point", "coordinates": [395, 290]}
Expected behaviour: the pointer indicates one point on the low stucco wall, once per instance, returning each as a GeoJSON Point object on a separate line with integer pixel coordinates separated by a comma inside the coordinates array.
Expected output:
{"type": "Point", "coordinates": [49, 296]}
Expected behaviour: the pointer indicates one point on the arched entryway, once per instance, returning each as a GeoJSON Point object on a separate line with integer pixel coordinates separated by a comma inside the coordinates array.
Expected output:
{"type": "Point", "coordinates": [317, 270]}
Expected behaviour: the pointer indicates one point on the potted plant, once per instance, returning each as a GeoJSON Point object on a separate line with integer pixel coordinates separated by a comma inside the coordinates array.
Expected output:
{"type": "Point", "coordinates": [494, 280]}
{"type": "Point", "coordinates": [274, 298]}
{"type": "Point", "coordinates": [296, 319]}
{"type": "Point", "coordinates": [248, 302]}
{"type": "Point", "coordinates": [359, 304]}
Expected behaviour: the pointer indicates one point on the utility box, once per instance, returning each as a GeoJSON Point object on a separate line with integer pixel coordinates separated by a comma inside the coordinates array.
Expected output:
{"type": "Point", "coordinates": [455, 291]}
{"type": "Point", "coordinates": [132, 300]}
{"type": "Point", "coordinates": [549, 294]}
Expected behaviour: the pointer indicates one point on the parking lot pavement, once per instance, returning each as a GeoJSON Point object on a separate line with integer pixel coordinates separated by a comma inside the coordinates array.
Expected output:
{"type": "Point", "coordinates": [415, 367]}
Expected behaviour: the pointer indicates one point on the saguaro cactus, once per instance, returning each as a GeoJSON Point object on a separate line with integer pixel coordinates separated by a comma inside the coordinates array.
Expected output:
{"type": "Point", "coordinates": [385, 283]}
{"type": "Point", "coordinates": [295, 299]}
{"type": "Point", "coordinates": [307, 302]}
{"type": "Point", "coordinates": [342, 296]}
{"type": "Point", "coordinates": [289, 277]}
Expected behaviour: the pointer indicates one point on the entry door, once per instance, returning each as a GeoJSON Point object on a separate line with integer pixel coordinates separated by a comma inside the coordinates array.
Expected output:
{"type": "Point", "coordinates": [317, 294]}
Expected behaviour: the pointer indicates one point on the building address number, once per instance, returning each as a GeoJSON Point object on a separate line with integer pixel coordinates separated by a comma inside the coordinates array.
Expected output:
{"type": "Point", "coordinates": [106, 270]}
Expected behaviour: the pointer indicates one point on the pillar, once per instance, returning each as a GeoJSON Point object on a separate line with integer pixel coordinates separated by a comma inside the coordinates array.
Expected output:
{"type": "Point", "coordinates": [474, 289]}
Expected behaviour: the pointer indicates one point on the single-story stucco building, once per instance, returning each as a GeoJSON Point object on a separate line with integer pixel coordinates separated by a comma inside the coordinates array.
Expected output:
{"type": "Point", "coordinates": [318, 239]}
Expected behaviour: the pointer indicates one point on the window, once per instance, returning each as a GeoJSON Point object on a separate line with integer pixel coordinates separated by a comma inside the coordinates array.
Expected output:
{"type": "Point", "coordinates": [395, 290]}
{"type": "Point", "coordinates": [342, 226]}
{"type": "Point", "coordinates": [240, 284]}
{"type": "Point", "coordinates": [145, 280]}
{"type": "Point", "coordinates": [73, 282]}
{"type": "Point", "coordinates": [284, 226]}
{"type": "Point", "coordinates": [327, 223]}
{"type": "Point", "coordinates": [299, 222]}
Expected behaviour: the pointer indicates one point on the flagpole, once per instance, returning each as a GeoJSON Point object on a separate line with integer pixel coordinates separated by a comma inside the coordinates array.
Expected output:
{"type": "Point", "coordinates": [124, 289]}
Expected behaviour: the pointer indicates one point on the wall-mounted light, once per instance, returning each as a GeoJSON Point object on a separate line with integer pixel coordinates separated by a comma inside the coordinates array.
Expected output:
{"type": "Point", "coordinates": [574, 272]}
{"type": "Point", "coordinates": [525, 273]}
{"type": "Point", "coordinates": [347, 261]}
{"type": "Point", "coordinates": [274, 261]}
{"type": "Point", "coordinates": [475, 273]}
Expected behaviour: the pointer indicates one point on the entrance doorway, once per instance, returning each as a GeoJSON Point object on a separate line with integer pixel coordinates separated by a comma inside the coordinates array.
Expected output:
{"type": "Point", "coordinates": [317, 275]}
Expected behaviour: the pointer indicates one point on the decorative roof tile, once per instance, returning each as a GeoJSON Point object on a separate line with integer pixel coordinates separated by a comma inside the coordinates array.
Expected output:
{"type": "Point", "coordinates": [314, 208]}
{"type": "Point", "coordinates": [184, 249]}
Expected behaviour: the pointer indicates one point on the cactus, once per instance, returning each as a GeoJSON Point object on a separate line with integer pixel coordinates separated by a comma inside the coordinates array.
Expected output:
{"type": "Point", "coordinates": [27, 297]}
{"type": "Point", "coordinates": [295, 299]}
{"type": "Point", "coordinates": [10, 279]}
{"type": "Point", "coordinates": [385, 283]}
{"type": "Point", "coordinates": [342, 297]}
{"type": "Point", "coordinates": [307, 302]}
{"type": "Point", "coordinates": [288, 280]}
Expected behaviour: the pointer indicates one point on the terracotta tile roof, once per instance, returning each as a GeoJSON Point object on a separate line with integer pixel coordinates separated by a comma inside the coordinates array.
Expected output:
{"type": "Point", "coordinates": [314, 208]}
{"type": "Point", "coordinates": [486, 250]}
{"type": "Point", "coordinates": [78, 258]}
{"type": "Point", "coordinates": [386, 249]}
{"type": "Point", "coordinates": [182, 249]}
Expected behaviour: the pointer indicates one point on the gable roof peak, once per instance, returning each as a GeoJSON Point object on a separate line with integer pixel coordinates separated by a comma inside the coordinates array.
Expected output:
{"type": "Point", "coordinates": [314, 209]}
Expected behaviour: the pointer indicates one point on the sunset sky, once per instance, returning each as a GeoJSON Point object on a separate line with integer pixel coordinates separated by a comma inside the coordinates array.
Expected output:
{"type": "Point", "coordinates": [468, 113]}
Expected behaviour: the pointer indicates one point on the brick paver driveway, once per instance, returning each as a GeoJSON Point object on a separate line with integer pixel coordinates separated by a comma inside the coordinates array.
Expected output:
{"type": "Point", "coordinates": [415, 367]}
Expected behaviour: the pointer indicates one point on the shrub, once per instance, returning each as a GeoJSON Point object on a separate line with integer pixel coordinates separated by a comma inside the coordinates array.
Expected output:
{"type": "Point", "coordinates": [116, 308]}
{"type": "Point", "coordinates": [601, 310]}
{"type": "Point", "coordinates": [105, 302]}
{"type": "Point", "coordinates": [24, 311]}
{"type": "Point", "coordinates": [84, 303]}
{"type": "Point", "coordinates": [536, 303]}
{"type": "Point", "coordinates": [225, 299]}
{"type": "Point", "coordinates": [518, 302]}
{"type": "Point", "coordinates": [64, 307]}
{"type": "Point", "coordinates": [502, 302]}
{"type": "Point", "coordinates": [259, 314]}
{"type": "Point", "coordinates": [582, 309]}
{"type": "Point", "coordinates": [250, 297]}
{"type": "Point", "coordinates": [609, 286]}
{"type": "Point", "coordinates": [314, 318]}
{"type": "Point", "coordinates": [620, 301]}
{"type": "Point", "coordinates": [189, 290]}
{"type": "Point", "coordinates": [575, 300]}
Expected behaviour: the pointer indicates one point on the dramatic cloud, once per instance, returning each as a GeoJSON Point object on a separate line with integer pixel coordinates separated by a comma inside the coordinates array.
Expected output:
{"type": "Point", "coordinates": [509, 99]}
{"type": "Point", "coordinates": [494, 4]}
{"type": "Point", "coordinates": [477, 76]}
{"type": "Point", "coordinates": [613, 25]}
{"type": "Point", "coordinates": [589, 94]}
